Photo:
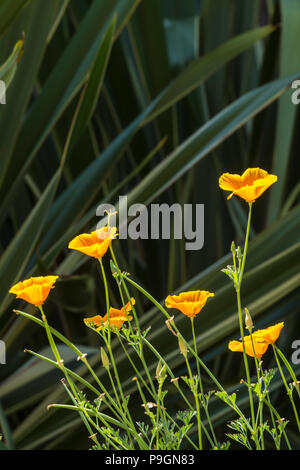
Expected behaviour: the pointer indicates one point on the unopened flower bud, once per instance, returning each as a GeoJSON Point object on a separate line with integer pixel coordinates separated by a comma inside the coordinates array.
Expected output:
{"type": "Point", "coordinates": [158, 369]}
{"type": "Point", "coordinates": [182, 346]}
{"type": "Point", "coordinates": [248, 320]}
{"type": "Point", "coordinates": [161, 371]}
{"type": "Point", "coordinates": [104, 359]}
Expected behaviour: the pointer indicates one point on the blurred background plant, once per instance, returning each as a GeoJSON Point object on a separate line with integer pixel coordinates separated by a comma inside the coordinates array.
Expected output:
{"type": "Point", "coordinates": [152, 99]}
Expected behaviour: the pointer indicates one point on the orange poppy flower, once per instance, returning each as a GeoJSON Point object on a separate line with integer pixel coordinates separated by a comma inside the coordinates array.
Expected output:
{"type": "Point", "coordinates": [249, 186]}
{"type": "Point", "coordinates": [261, 340]}
{"type": "Point", "coordinates": [189, 303]}
{"type": "Point", "coordinates": [115, 318]}
{"type": "Point", "coordinates": [94, 244]}
{"type": "Point", "coordinates": [34, 290]}
{"type": "Point", "coordinates": [260, 347]}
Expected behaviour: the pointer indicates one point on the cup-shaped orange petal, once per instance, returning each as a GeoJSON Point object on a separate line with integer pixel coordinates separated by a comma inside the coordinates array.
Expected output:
{"type": "Point", "coordinates": [94, 244]}
{"type": "Point", "coordinates": [249, 186]}
{"type": "Point", "coordinates": [34, 290]}
{"type": "Point", "coordinates": [189, 303]}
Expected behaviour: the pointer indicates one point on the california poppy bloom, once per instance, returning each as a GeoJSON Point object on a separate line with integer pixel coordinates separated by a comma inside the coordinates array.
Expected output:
{"type": "Point", "coordinates": [260, 339]}
{"type": "Point", "coordinates": [260, 347]}
{"type": "Point", "coordinates": [94, 244]}
{"type": "Point", "coordinates": [189, 303]}
{"type": "Point", "coordinates": [34, 290]}
{"type": "Point", "coordinates": [249, 186]}
{"type": "Point", "coordinates": [115, 318]}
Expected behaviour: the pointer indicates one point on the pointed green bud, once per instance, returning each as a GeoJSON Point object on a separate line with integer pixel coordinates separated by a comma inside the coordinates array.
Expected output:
{"type": "Point", "coordinates": [161, 371]}
{"type": "Point", "coordinates": [233, 247]}
{"type": "Point", "coordinates": [104, 359]}
{"type": "Point", "coordinates": [158, 369]}
{"type": "Point", "coordinates": [182, 346]}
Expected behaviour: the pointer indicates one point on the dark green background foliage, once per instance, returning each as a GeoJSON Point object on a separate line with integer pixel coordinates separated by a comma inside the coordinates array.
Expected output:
{"type": "Point", "coordinates": [162, 97]}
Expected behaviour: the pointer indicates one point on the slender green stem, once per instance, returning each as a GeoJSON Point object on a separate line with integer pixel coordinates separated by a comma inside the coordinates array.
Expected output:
{"type": "Point", "coordinates": [245, 356]}
{"type": "Point", "coordinates": [86, 418]}
{"type": "Point", "coordinates": [195, 393]}
{"type": "Point", "coordinates": [56, 354]}
{"type": "Point", "coordinates": [111, 404]}
{"type": "Point", "coordinates": [289, 392]}
{"type": "Point", "coordinates": [241, 271]}
{"type": "Point", "coordinates": [91, 412]}
{"type": "Point", "coordinates": [113, 386]}
{"type": "Point", "coordinates": [196, 352]}
{"type": "Point", "coordinates": [158, 414]}
{"type": "Point", "coordinates": [121, 277]}
{"type": "Point", "coordinates": [107, 398]}
{"type": "Point", "coordinates": [60, 364]}
{"type": "Point", "coordinates": [200, 384]}
{"type": "Point", "coordinates": [108, 339]}
{"type": "Point", "coordinates": [160, 358]}
{"type": "Point", "coordinates": [273, 420]}
{"type": "Point", "coordinates": [137, 372]}
{"type": "Point", "coordinates": [166, 314]}
{"type": "Point", "coordinates": [108, 344]}
{"type": "Point", "coordinates": [271, 407]}
{"type": "Point", "coordinates": [139, 336]}
{"type": "Point", "coordinates": [289, 368]}
{"type": "Point", "coordinates": [260, 406]}
{"type": "Point", "coordinates": [150, 391]}
{"type": "Point", "coordinates": [50, 338]}
{"type": "Point", "coordinates": [105, 287]}
{"type": "Point", "coordinates": [239, 277]}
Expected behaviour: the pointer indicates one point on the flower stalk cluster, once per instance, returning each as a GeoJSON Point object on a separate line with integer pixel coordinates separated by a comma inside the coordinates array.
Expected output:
{"type": "Point", "coordinates": [108, 417]}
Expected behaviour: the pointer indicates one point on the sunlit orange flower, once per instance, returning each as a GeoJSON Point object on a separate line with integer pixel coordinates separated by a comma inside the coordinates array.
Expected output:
{"type": "Point", "coordinates": [261, 340]}
{"type": "Point", "coordinates": [115, 318]}
{"type": "Point", "coordinates": [189, 303]}
{"type": "Point", "coordinates": [249, 186]}
{"type": "Point", "coordinates": [34, 290]}
{"type": "Point", "coordinates": [94, 244]}
{"type": "Point", "coordinates": [260, 347]}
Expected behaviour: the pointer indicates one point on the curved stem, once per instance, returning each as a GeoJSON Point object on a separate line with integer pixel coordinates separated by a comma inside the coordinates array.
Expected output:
{"type": "Point", "coordinates": [287, 388]}
{"type": "Point", "coordinates": [241, 272]}
{"type": "Point", "coordinates": [245, 357]}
